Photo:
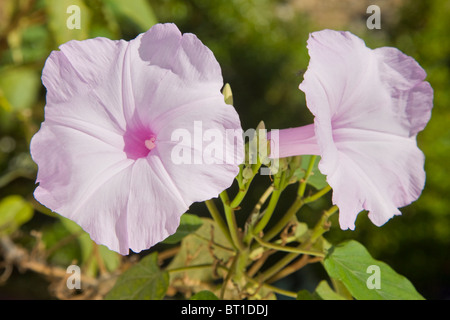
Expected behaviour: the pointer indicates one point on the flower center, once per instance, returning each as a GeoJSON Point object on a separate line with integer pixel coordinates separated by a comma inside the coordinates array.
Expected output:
{"type": "Point", "coordinates": [150, 143]}
{"type": "Point", "coordinates": [138, 143]}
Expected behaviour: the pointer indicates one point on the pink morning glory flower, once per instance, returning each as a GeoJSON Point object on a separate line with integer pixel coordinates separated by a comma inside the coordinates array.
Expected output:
{"type": "Point", "coordinates": [105, 149]}
{"type": "Point", "coordinates": [369, 106]}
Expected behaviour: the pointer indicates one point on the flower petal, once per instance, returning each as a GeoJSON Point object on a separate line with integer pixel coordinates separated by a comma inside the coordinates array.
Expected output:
{"type": "Point", "coordinates": [364, 88]}
{"type": "Point", "coordinates": [73, 167]}
{"type": "Point", "coordinates": [155, 214]}
{"type": "Point", "coordinates": [212, 137]}
{"type": "Point", "coordinates": [191, 73]}
{"type": "Point", "coordinates": [338, 61]}
{"type": "Point", "coordinates": [82, 83]}
{"type": "Point", "coordinates": [375, 172]}
{"type": "Point", "coordinates": [411, 95]}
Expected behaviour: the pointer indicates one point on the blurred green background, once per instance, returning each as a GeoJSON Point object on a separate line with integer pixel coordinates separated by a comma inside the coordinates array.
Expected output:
{"type": "Point", "coordinates": [261, 47]}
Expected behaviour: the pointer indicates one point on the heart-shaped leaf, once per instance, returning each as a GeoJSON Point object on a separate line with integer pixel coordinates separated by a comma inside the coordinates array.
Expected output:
{"type": "Point", "coordinates": [365, 277]}
{"type": "Point", "coordinates": [143, 281]}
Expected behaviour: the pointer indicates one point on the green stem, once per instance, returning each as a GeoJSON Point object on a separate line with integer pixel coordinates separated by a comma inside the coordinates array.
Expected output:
{"type": "Point", "coordinates": [302, 188]}
{"type": "Point", "coordinates": [317, 195]}
{"type": "Point", "coordinates": [228, 277]}
{"type": "Point", "coordinates": [187, 268]}
{"type": "Point", "coordinates": [231, 220]}
{"type": "Point", "coordinates": [243, 189]}
{"type": "Point", "coordinates": [263, 199]}
{"type": "Point", "coordinates": [238, 198]}
{"type": "Point", "coordinates": [277, 266]}
{"type": "Point", "coordinates": [268, 286]}
{"type": "Point", "coordinates": [273, 288]}
{"type": "Point", "coordinates": [320, 228]}
{"type": "Point", "coordinates": [289, 249]}
{"type": "Point", "coordinates": [298, 203]}
{"type": "Point", "coordinates": [256, 213]}
{"type": "Point", "coordinates": [293, 267]}
{"type": "Point", "coordinates": [241, 264]}
{"type": "Point", "coordinates": [280, 291]}
{"type": "Point", "coordinates": [322, 225]}
{"type": "Point", "coordinates": [212, 208]}
{"type": "Point", "coordinates": [268, 212]}
{"type": "Point", "coordinates": [293, 209]}
{"type": "Point", "coordinates": [214, 244]}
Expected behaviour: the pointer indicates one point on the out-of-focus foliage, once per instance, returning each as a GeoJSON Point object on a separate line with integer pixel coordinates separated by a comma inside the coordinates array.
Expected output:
{"type": "Point", "coordinates": [14, 211]}
{"type": "Point", "coordinates": [261, 47]}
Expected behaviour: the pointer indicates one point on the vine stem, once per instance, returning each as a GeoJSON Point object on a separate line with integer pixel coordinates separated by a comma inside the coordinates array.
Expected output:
{"type": "Point", "coordinates": [268, 286]}
{"type": "Point", "coordinates": [322, 225]}
{"type": "Point", "coordinates": [263, 199]}
{"type": "Point", "coordinates": [212, 208]}
{"type": "Point", "coordinates": [293, 209]}
{"type": "Point", "coordinates": [256, 212]}
{"type": "Point", "coordinates": [231, 220]}
{"type": "Point", "coordinates": [187, 268]}
{"type": "Point", "coordinates": [296, 250]}
{"type": "Point", "coordinates": [249, 279]}
{"type": "Point", "coordinates": [317, 195]}
{"type": "Point", "coordinates": [298, 203]}
{"type": "Point", "coordinates": [238, 198]}
{"type": "Point", "coordinates": [302, 187]}
{"type": "Point", "coordinates": [320, 228]}
{"type": "Point", "coordinates": [293, 267]}
{"type": "Point", "coordinates": [278, 188]}
{"type": "Point", "coordinates": [243, 189]}
{"type": "Point", "coordinates": [227, 278]}
{"type": "Point", "coordinates": [267, 274]}
{"type": "Point", "coordinates": [273, 288]}
{"type": "Point", "coordinates": [259, 263]}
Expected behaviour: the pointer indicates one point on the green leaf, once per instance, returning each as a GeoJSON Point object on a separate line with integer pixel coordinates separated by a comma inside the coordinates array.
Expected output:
{"type": "Point", "coordinates": [188, 223]}
{"type": "Point", "coordinates": [143, 281]}
{"type": "Point", "coordinates": [367, 278]}
{"type": "Point", "coordinates": [316, 179]}
{"type": "Point", "coordinates": [138, 11]}
{"type": "Point", "coordinates": [204, 295]}
{"type": "Point", "coordinates": [60, 21]}
{"type": "Point", "coordinates": [306, 295]}
{"type": "Point", "coordinates": [14, 212]}
{"type": "Point", "coordinates": [325, 292]}
{"type": "Point", "coordinates": [202, 247]}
